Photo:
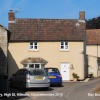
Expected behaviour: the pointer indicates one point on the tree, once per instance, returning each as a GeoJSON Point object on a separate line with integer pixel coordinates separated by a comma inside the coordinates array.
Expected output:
{"type": "Point", "coordinates": [93, 23]}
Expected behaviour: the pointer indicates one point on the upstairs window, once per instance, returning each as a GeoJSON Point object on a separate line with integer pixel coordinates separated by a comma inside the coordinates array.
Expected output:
{"type": "Point", "coordinates": [33, 46]}
{"type": "Point", "coordinates": [64, 46]}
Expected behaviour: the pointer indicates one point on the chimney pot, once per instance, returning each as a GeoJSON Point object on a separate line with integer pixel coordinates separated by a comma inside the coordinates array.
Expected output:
{"type": "Point", "coordinates": [82, 15]}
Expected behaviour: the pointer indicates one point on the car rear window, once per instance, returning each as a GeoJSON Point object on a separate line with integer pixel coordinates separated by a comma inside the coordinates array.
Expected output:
{"type": "Point", "coordinates": [52, 70]}
{"type": "Point", "coordinates": [38, 72]}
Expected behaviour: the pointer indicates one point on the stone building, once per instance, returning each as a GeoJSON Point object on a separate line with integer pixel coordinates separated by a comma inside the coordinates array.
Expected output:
{"type": "Point", "coordinates": [3, 59]}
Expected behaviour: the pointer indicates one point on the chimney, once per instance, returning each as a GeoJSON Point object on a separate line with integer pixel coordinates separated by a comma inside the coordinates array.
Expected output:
{"type": "Point", "coordinates": [82, 15]}
{"type": "Point", "coordinates": [11, 16]}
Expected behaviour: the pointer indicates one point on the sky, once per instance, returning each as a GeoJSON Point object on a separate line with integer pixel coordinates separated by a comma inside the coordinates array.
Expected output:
{"type": "Point", "coordinates": [48, 9]}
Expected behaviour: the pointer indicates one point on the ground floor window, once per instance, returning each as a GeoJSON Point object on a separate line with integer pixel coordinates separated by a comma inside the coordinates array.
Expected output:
{"type": "Point", "coordinates": [37, 65]}
{"type": "Point", "coordinates": [31, 66]}
{"type": "Point", "coordinates": [34, 65]}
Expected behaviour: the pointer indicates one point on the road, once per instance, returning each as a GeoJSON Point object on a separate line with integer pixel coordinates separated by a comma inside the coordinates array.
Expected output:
{"type": "Point", "coordinates": [69, 91]}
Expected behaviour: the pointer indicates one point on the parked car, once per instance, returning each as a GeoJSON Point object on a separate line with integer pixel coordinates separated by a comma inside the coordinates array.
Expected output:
{"type": "Point", "coordinates": [55, 76]}
{"type": "Point", "coordinates": [30, 78]}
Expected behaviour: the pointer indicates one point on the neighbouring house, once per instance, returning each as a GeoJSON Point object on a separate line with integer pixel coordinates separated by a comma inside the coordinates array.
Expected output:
{"type": "Point", "coordinates": [3, 58]}
{"type": "Point", "coordinates": [38, 43]}
{"type": "Point", "coordinates": [3, 50]}
{"type": "Point", "coordinates": [93, 51]}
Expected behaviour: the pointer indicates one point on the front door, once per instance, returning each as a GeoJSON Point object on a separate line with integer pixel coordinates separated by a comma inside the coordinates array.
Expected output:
{"type": "Point", "coordinates": [65, 71]}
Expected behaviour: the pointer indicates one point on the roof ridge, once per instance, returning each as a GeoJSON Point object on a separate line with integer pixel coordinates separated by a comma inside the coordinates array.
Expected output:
{"type": "Point", "coordinates": [45, 19]}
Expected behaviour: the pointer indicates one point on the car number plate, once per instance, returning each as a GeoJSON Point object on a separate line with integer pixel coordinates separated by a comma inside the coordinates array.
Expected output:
{"type": "Point", "coordinates": [39, 78]}
{"type": "Point", "coordinates": [52, 76]}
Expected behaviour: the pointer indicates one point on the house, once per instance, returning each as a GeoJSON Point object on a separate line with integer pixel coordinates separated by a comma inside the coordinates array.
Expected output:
{"type": "Point", "coordinates": [3, 50]}
{"type": "Point", "coordinates": [39, 43]}
{"type": "Point", "coordinates": [93, 51]}
{"type": "Point", "coordinates": [3, 58]}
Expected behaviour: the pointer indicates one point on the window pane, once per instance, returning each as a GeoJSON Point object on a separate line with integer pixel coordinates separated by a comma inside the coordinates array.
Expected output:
{"type": "Point", "coordinates": [25, 72]}
{"type": "Point", "coordinates": [62, 47]}
{"type": "Point", "coordinates": [25, 65]}
{"type": "Point", "coordinates": [66, 46]}
{"type": "Point", "coordinates": [35, 47]}
{"type": "Point", "coordinates": [52, 70]}
{"type": "Point", "coordinates": [31, 65]}
{"type": "Point", "coordinates": [31, 47]}
{"type": "Point", "coordinates": [35, 43]}
{"type": "Point", "coordinates": [17, 72]}
{"type": "Point", "coordinates": [37, 66]}
{"type": "Point", "coordinates": [20, 72]}
{"type": "Point", "coordinates": [31, 43]}
{"type": "Point", "coordinates": [66, 43]}
{"type": "Point", "coordinates": [38, 72]}
{"type": "Point", "coordinates": [62, 43]}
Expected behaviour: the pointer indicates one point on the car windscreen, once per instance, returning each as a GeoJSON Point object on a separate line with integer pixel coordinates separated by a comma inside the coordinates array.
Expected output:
{"type": "Point", "coordinates": [38, 72]}
{"type": "Point", "coordinates": [52, 70]}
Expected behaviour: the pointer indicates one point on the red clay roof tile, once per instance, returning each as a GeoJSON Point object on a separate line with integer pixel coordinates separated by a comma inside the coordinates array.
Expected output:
{"type": "Point", "coordinates": [46, 30]}
{"type": "Point", "coordinates": [93, 36]}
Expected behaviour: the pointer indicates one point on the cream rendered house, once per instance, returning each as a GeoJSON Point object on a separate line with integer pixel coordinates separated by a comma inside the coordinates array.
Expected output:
{"type": "Point", "coordinates": [39, 43]}
{"type": "Point", "coordinates": [93, 51]}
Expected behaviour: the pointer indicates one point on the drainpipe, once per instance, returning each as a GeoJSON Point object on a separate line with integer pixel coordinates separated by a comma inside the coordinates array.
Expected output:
{"type": "Point", "coordinates": [97, 51]}
{"type": "Point", "coordinates": [85, 58]}
{"type": "Point", "coordinates": [97, 56]}
{"type": "Point", "coordinates": [82, 19]}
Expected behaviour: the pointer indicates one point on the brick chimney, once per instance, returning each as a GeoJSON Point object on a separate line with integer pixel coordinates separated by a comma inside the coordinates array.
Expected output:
{"type": "Point", "coordinates": [11, 16]}
{"type": "Point", "coordinates": [82, 15]}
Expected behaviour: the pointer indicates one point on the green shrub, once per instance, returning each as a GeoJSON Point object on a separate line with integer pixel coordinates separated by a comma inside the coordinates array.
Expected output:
{"type": "Point", "coordinates": [75, 75]}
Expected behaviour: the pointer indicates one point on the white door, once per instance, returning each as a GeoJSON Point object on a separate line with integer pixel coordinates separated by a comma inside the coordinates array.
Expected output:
{"type": "Point", "coordinates": [65, 71]}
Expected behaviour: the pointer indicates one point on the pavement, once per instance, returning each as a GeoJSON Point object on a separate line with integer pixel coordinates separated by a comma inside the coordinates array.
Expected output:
{"type": "Point", "coordinates": [68, 91]}
{"type": "Point", "coordinates": [86, 80]}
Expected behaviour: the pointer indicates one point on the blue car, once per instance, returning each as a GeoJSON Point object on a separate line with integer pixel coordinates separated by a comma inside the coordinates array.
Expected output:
{"type": "Point", "coordinates": [55, 76]}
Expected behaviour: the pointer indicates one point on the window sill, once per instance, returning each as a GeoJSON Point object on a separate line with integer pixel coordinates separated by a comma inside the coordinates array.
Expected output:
{"type": "Point", "coordinates": [33, 50]}
{"type": "Point", "coordinates": [64, 51]}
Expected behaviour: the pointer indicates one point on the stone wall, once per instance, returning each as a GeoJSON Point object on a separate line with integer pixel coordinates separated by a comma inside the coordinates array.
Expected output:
{"type": "Point", "coordinates": [3, 50]}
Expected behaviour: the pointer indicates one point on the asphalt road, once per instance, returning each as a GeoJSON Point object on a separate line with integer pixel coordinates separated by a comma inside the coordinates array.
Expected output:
{"type": "Point", "coordinates": [69, 91]}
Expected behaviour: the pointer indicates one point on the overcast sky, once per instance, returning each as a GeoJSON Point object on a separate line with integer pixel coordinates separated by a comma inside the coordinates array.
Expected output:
{"type": "Point", "coordinates": [52, 9]}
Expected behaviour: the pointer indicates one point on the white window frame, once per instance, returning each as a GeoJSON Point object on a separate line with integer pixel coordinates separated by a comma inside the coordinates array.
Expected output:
{"type": "Point", "coordinates": [64, 45]}
{"type": "Point", "coordinates": [40, 65]}
{"type": "Point", "coordinates": [33, 44]}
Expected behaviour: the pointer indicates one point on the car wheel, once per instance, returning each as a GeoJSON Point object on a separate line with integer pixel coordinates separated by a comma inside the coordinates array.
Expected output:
{"type": "Point", "coordinates": [59, 85]}
{"type": "Point", "coordinates": [22, 86]}
{"type": "Point", "coordinates": [46, 88]}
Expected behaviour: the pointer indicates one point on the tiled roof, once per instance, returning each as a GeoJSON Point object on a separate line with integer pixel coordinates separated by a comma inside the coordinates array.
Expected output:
{"type": "Point", "coordinates": [93, 36]}
{"type": "Point", "coordinates": [46, 30]}
{"type": "Point", "coordinates": [33, 60]}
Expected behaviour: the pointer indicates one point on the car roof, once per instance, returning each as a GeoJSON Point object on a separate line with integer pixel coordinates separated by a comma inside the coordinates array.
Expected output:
{"type": "Point", "coordinates": [50, 68]}
{"type": "Point", "coordinates": [32, 69]}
